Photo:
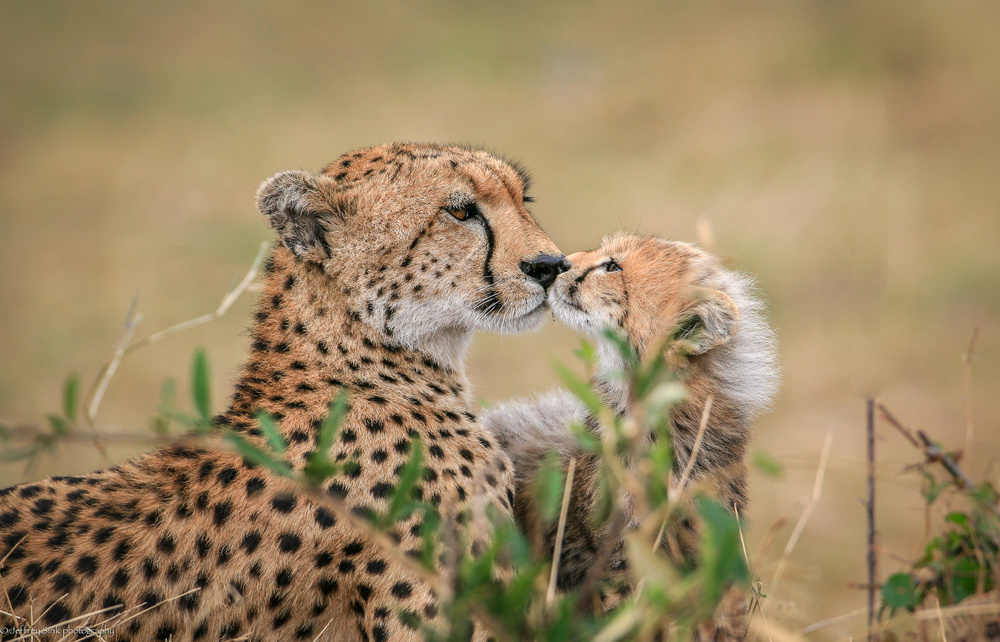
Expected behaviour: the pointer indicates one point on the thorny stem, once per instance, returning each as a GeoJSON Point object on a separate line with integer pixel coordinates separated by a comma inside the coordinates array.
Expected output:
{"type": "Point", "coordinates": [870, 509]}
{"type": "Point", "coordinates": [933, 453]}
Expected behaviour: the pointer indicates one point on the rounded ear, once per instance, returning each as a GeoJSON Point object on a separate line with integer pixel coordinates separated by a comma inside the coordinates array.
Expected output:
{"type": "Point", "coordinates": [710, 321]}
{"type": "Point", "coordinates": [303, 209]}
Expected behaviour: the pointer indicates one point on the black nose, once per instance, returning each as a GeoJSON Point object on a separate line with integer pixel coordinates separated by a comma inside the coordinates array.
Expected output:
{"type": "Point", "coordinates": [544, 268]}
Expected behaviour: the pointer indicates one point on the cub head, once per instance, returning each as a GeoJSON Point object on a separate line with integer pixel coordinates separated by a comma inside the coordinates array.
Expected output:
{"type": "Point", "coordinates": [653, 291]}
{"type": "Point", "coordinates": [418, 239]}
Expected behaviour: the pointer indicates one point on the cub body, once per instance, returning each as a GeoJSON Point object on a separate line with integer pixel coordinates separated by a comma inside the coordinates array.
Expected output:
{"type": "Point", "coordinates": [647, 289]}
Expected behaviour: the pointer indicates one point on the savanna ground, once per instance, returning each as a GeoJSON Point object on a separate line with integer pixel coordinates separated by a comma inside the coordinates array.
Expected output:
{"type": "Point", "coordinates": [846, 153]}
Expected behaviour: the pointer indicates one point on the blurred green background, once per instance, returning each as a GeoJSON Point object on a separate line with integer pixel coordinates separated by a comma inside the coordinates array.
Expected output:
{"type": "Point", "coordinates": [847, 153]}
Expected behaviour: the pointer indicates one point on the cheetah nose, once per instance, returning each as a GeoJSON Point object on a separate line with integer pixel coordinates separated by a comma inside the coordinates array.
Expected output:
{"type": "Point", "coordinates": [544, 268]}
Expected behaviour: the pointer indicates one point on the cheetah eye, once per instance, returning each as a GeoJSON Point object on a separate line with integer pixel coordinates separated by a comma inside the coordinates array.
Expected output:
{"type": "Point", "coordinates": [612, 266]}
{"type": "Point", "coordinates": [464, 212]}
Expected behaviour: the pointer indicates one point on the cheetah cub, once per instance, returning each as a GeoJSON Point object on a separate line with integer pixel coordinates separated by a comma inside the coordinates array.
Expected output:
{"type": "Point", "coordinates": [646, 289]}
{"type": "Point", "coordinates": [386, 263]}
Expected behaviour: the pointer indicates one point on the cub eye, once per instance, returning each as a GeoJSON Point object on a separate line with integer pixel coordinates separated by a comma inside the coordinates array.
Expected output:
{"type": "Point", "coordinates": [612, 266]}
{"type": "Point", "coordinates": [464, 212]}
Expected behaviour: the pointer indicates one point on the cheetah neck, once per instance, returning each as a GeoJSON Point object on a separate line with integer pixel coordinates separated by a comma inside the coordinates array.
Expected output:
{"type": "Point", "coordinates": [308, 344]}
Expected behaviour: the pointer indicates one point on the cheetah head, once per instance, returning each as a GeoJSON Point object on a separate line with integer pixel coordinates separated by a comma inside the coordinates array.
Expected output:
{"type": "Point", "coordinates": [424, 241]}
{"type": "Point", "coordinates": [658, 293]}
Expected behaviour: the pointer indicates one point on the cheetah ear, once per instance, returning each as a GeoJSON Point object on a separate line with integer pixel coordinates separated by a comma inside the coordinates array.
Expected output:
{"type": "Point", "coordinates": [304, 209]}
{"type": "Point", "coordinates": [709, 322]}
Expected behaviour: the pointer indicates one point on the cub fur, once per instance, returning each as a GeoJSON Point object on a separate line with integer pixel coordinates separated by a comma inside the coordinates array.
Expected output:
{"type": "Point", "coordinates": [647, 289]}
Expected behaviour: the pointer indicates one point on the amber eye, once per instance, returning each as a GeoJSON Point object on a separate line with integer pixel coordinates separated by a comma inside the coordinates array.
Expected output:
{"type": "Point", "coordinates": [612, 266]}
{"type": "Point", "coordinates": [465, 212]}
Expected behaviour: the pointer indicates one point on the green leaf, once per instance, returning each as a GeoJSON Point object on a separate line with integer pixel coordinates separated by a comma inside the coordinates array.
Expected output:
{"type": "Point", "coordinates": [549, 487]}
{"type": "Point", "coordinates": [165, 412]}
{"type": "Point", "coordinates": [59, 425]}
{"type": "Point", "coordinates": [71, 390]}
{"type": "Point", "coordinates": [661, 456]}
{"type": "Point", "coordinates": [932, 487]}
{"type": "Point", "coordinates": [623, 347]}
{"type": "Point", "coordinates": [585, 437]}
{"type": "Point", "coordinates": [722, 563]}
{"type": "Point", "coordinates": [985, 494]}
{"type": "Point", "coordinates": [767, 464]}
{"type": "Point", "coordinates": [319, 466]}
{"type": "Point", "coordinates": [429, 533]}
{"type": "Point", "coordinates": [900, 592]}
{"type": "Point", "coordinates": [257, 456]}
{"type": "Point", "coordinates": [604, 501]}
{"type": "Point", "coordinates": [655, 373]}
{"type": "Point", "coordinates": [402, 504]}
{"type": "Point", "coordinates": [270, 429]}
{"type": "Point", "coordinates": [956, 517]}
{"type": "Point", "coordinates": [587, 353]}
{"type": "Point", "coordinates": [23, 452]}
{"type": "Point", "coordinates": [200, 386]}
{"type": "Point", "coordinates": [580, 388]}
{"type": "Point", "coordinates": [963, 578]}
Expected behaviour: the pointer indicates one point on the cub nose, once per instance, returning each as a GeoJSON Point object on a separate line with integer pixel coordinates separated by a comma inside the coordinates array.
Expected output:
{"type": "Point", "coordinates": [544, 268]}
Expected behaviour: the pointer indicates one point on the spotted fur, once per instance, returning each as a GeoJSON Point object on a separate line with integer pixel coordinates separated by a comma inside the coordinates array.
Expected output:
{"type": "Point", "coordinates": [648, 289]}
{"type": "Point", "coordinates": [386, 263]}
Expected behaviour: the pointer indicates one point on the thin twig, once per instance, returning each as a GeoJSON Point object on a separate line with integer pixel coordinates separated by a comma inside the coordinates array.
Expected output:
{"type": "Point", "coordinates": [872, 557]}
{"type": "Point", "coordinates": [227, 302]}
{"type": "Point", "coordinates": [71, 620]}
{"type": "Point", "coordinates": [323, 630]}
{"type": "Point", "coordinates": [697, 442]}
{"type": "Point", "coordinates": [96, 392]}
{"type": "Point", "coordinates": [937, 607]}
{"type": "Point", "coordinates": [677, 491]}
{"type": "Point", "coordinates": [806, 514]}
{"type": "Point", "coordinates": [757, 627]}
{"type": "Point", "coordinates": [150, 608]}
{"type": "Point", "coordinates": [27, 432]}
{"type": "Point", "coordinates": [816, 626]}
{"type": "Point", "coordinates": [881, 550]}
{"type": "Point", "coordinates": [898, 425]}
{"type": "Point", "coordinates": [561, 531]}
{"type": "Point", "coordinates": [756, 588]}
{"type": "Point", "coordinates": [934, 453]}
{"type": "Point", "coordinates": [967, 386]}
{"type": "Point", "coordinates": [123, 347]}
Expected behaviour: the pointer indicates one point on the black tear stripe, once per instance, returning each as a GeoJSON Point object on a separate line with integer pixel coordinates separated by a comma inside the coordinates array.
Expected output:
{"type": "Point", "coordinates": [580, 278]}
{"type": "Point", "coordinates": [491, 297]}
{"type": "Point", "coordinates": [621, 322]}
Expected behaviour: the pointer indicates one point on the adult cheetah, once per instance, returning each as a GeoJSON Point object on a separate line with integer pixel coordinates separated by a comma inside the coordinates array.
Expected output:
{"type": "Point", "coordinates": [387, 261]}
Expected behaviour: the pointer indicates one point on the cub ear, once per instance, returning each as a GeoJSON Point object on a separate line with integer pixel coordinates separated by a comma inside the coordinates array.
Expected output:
{"type": "Point", "coordinates": [708, 322]}
{"type": "Point", "coordinates": [303, 209]}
